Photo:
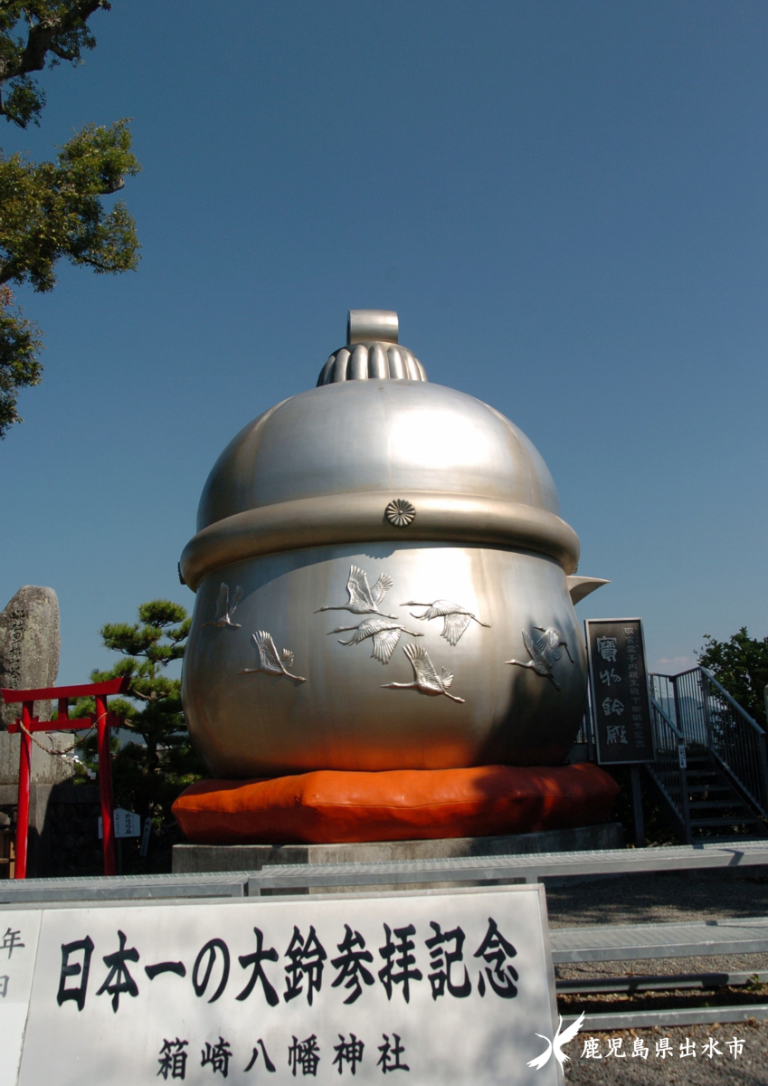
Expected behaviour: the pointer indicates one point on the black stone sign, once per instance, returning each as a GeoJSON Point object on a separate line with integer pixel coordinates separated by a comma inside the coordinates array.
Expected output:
{"type": "Point", "coordinates": [621, 712]}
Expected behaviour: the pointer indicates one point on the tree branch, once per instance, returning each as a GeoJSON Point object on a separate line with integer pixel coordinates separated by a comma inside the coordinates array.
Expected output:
{"type": "Point", "coordinates": [8, 271]}
{"type": "Point", "coordinates": [42, 35]}
{"type": "Point", "coordinates": [62, 53]}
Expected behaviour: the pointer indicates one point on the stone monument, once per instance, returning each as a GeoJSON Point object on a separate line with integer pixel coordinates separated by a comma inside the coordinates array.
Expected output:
{"type": "Point", "coordinates": [30, 643]}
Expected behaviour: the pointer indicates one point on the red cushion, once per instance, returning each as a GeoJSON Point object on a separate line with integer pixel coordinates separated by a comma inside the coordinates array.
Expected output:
{"type": "Point", "coordinates": [401, 805]}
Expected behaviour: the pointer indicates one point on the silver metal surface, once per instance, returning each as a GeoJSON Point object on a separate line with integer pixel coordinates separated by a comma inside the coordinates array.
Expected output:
{"type": "Point", "coordinates": [365, 324]}
{"type": "Point", "coordinates": [357, 518]}
{"type": "Point", "coordinates": [372, 361]}
{"type": "Point", "coordinates": [341, 718]}
{"type": "Point", "coordinates": [379, 478]}
{"type": "Point", "coordinates": [392, 439]}
{"type": "Point", "coordinates": [579, 587]}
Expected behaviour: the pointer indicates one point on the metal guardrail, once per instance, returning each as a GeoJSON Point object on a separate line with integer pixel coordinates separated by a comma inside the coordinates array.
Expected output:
{"type": "Point", "coordinates": [660, 982]}
{"type": "Point", "coordinates": [630, 942]}
{"type": "Point", "coordinates": [368, 876]}
{"type": "Point", "coordinates": [127, 888]}
{"type": "Point", "coordinates": [737, 742]}
{"type": "Point", "coordinates": [637, 942]}
{"type": "Point", "coordinates": [530, 868]}
{"type": "Point", "coordinates": [669, 769]}
{"type": "Point", "coordinates": [694, 707]}
{"type": "Point", "coordinates": [698, 1016]}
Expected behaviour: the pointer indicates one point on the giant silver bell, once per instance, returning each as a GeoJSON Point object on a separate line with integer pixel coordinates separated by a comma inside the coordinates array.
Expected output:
{"type": "Point", "coordinates": [383, 582]}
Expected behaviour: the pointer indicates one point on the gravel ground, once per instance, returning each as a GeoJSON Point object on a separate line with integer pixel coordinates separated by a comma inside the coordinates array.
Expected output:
{"type": "Point", "coordinates": [664, 898]}
{"type": "Point", "coordinates": [661, 897]}
{"type": "Point", "coordinates": [748, 1069]}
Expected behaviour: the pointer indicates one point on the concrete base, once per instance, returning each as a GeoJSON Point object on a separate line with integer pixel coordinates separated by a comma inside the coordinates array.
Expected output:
{"type": "Point", "coordinates": [199, 858]}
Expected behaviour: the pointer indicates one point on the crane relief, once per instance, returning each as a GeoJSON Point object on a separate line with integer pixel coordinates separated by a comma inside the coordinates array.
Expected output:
{"type": "Point", "coordinates": [455, 618]}
{"type": "Point", "coordinates": [544, 652]}
{"type": "Point", "coordinates": [225, 610]}
{"type": "Point", "coordinates": [363, 600]}
{"type": "Point", "coordinates": [269, 660]}
{"type": "Point", "coordinates": [386, 636]}
{"type": "Point", "coordinates": [426, 679]}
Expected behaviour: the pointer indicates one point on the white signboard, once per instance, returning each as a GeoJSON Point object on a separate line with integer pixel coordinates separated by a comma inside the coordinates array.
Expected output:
{"type": "Point", "coordinates": [431, 989]}
{"type": "Point", "coordinates": [19, 931]}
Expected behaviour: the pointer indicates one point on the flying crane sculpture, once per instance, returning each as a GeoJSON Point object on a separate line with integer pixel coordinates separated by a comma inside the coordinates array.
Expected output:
{"type": "Point", "coordinates": [269, 660]}
{"type": "Point", "coordinates": [386, 636]}
{"type": "Point", "coordinates": [455, 618]}
{"type": "Point", "coordinates": [225, 610]}
{"type": "Point", "coordinates": [363, 600]}
{"type": "Point", "coordinates": [426, 679]}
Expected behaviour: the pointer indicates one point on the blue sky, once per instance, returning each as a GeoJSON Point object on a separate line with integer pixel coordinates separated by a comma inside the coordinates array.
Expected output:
{"type": "Point", "coordinates": [566, 204]}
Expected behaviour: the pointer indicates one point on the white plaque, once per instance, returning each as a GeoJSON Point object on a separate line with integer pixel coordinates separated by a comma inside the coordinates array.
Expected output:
{"type": "Point", "coordinates": [19, 931]}
{"type": "Point", "coordinates": [431, 989]}
{"type": "Point", "coordinates": [125, 823]}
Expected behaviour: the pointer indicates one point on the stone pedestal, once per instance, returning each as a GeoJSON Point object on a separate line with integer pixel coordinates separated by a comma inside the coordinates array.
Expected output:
{"type": "Point", "coordinates": [199, 858]}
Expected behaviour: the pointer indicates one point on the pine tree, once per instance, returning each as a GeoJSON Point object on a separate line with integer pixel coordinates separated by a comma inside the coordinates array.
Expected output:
{"type": "Point", "coordinates": [52, 210]}
{"type": "Point", "coordinates": [157, 763]}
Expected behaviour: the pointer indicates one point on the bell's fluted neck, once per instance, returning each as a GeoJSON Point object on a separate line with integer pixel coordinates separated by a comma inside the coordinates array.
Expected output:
{"type": "Point", "coordinates": [372, 352]}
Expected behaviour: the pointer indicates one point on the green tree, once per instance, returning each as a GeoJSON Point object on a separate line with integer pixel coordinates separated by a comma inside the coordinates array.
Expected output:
{"type": "Point", "coordinates": [52, 210]}
{"type": "Point", "coordinates": [20, 345]}
{"type": "Point", "coordinates": [741, 666]}
{"type": "Point", "coordinates": [152, 769]}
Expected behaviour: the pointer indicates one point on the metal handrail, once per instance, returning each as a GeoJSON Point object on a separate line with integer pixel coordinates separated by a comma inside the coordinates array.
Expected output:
{"type": "Point", "coordinates": [665, 718]}
{"type": "Point", "coordinates": [669, 767]}
{"type": "Point", "coordinates": [707, 719]}
{"type": "Point", "coordinates": [732, 700]}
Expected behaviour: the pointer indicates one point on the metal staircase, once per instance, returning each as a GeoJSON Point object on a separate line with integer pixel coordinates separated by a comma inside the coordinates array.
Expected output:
{"type": "Point", "coordinates": [711, 768]}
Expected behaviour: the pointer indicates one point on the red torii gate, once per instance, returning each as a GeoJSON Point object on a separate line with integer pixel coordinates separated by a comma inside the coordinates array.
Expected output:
{"type": "Point", "coordinates": [29, 724]}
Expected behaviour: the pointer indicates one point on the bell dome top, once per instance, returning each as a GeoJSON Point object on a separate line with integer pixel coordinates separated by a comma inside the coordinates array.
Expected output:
{"type": "Point", "coordinates": [372, 351]}
{"type": "Point", "coordinates": [376, 453]}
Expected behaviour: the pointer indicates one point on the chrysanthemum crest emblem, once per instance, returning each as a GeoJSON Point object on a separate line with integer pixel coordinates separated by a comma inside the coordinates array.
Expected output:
{"type": "Point", "coordinates": [400, 513]}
